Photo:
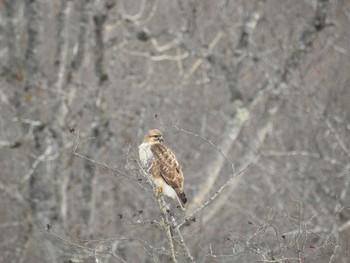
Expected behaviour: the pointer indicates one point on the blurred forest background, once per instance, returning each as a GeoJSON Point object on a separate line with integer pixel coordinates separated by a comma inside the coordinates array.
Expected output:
{"type": "Point", "coordinates": [252, 96]}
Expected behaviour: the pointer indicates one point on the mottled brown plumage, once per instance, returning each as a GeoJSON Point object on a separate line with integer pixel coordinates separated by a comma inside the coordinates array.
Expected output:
{"type": "Point", "coordinates": [162, 165]}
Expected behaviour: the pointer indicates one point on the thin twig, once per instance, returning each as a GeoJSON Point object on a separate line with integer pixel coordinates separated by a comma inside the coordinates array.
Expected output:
{"type": "Point", "coordinates": [167, 228]}
{"type": "Point", "coordinates": [209, 201]}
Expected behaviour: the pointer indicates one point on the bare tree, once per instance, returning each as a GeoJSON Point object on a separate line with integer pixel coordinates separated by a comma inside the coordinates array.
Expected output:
{"type": "Point", "coordinates": [253, 96]}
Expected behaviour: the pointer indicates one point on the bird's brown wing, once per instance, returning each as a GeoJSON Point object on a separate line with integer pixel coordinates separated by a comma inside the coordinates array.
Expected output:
{"type": "Point", "coordinates": [169, 168]}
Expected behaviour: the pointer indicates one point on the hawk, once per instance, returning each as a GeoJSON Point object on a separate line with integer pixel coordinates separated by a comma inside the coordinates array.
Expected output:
{"type": "Point", "coordinates": [160, 162]}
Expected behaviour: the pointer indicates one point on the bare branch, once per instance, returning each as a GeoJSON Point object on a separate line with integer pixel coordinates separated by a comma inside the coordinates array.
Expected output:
{"type": "Point", "coordinates": [62, 43]}
{"type": "Point", "coordinates": [218, 192]}
{"type": "Point", "coordinates": [222, 200]}
{"type": "Point", "coordinates": [301, 154]}
{"type": "Point", "coordinates": [337, 137]}
{"type": "Point", "coordinates": [198, 62]}
{"type": "Point", "coordinates": [213, 168]}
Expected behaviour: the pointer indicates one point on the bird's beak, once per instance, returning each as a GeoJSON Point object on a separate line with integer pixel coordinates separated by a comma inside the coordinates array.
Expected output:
{"type": "Point", "coordinates": [161, 139]}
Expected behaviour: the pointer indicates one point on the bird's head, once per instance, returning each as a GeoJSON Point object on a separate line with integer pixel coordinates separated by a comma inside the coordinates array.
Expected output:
{"type": "Point", "coordinates": [153, 136]}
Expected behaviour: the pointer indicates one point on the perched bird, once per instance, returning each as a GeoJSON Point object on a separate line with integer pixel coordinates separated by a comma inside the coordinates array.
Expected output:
{"type": "Point", "coordinates": [161, 164]}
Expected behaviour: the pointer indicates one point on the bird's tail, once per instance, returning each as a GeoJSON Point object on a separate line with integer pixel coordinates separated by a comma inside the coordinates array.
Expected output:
{"type": "Point", "coordinates": [181, 198]}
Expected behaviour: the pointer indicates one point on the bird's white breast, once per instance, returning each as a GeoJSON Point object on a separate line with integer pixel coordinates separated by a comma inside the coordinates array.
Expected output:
{"type": "Point", "coordinates": [145, 153]}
